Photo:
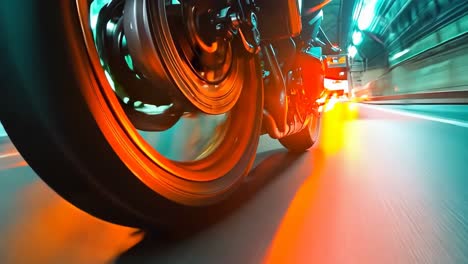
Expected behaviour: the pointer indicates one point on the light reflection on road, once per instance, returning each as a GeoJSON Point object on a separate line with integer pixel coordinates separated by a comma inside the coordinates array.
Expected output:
{"type": "Point", "coordinates": [378, 188]}
{"type": "Point", "coordinates": [47, 229]}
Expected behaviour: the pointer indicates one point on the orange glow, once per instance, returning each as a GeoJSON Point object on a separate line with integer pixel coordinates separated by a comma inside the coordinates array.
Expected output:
{"type": "Point", "coordinates": [17, 164]}
{"type": "Point", "coordinates": [10, 158]}
{"type": "Point", "coordinates": [313, 71]}
{"type": "Point", "coordinates": [335, 118]}
{"type": "Point", "coordinates": [332, 131]}
{"type": "Point", "coordinates": [287, 242]}
{"type": "Point", "coordinates": [318, 7]}
{"type": "Point", "coordinates": [295, 18]}
{"type": "Point", "coordinates": [51, 230]}
{"type": "Point", "coordinates": [302, 233]}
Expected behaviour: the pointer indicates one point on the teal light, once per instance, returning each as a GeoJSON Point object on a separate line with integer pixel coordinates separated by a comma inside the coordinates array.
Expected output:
{"type": "Point", "coordinates": [357, 38]}
{"type": "Point", "coordinates": [129, 62]}
{"type": "Point", "coordinates": [95, 7]}
{"type": "Point", "coordinates": [399, 54]}
{"type": "Point", "coordinates": [352, 51]}
{"type": "Point", "coordinates": [367, 14]}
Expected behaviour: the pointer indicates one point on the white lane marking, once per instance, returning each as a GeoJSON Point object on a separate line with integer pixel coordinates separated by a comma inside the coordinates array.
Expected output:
{"type": "Point", "coordinates": [420, 116]}
{"type": "Point", "coordinates": [9, 155]}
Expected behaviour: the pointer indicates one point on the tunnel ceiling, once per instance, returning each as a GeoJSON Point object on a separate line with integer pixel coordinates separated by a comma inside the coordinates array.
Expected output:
{"type": "Point", "coordinates": [395, 30]}
{"type": "Point", "coordinates": [337, 20]}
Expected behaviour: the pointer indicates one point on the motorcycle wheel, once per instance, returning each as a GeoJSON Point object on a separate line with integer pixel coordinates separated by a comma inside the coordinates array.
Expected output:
{"type": "Point", "coordinates": [62, 114]}
{"type": "Point", "coordinates": [305, 139]}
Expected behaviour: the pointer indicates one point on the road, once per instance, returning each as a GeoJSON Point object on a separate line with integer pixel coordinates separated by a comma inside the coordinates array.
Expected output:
{"type": "Point", "coordinates": [383, 185]}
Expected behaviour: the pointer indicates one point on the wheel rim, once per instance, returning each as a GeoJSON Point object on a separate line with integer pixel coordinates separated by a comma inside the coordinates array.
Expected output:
{"type": "Point", "coordinates": [210, 164]}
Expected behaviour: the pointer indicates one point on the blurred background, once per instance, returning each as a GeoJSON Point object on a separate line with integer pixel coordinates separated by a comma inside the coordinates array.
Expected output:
{"type": "Point", "coordinates": [413, 48]}
{"type": "Point", "coordinates": [386, 182]}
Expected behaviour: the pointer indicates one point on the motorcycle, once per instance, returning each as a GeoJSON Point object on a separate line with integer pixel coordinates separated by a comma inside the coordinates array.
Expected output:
{"type": "Point", "coordinates": [149, 112]}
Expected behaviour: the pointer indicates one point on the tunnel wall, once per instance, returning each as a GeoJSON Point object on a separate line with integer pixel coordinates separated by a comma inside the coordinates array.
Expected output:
{"type": "Point", "coordinates": [424, 48]}
{"type": "Point", "coordinates": [445, 71]}
{"type": "Point", "coordinates": [437, 62]}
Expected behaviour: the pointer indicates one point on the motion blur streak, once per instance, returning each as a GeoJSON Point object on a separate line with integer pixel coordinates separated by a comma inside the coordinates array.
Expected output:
{"type": "Point", "coordinates": [317, 7]}
{"type": "Point", "coordinates": [59, 233]}
{"type": "Point", "coordinates": [396, 202]}
{"type": "Point", "coordinates": [9, 156]}
{"type": "Point", "coordinates": [379, 187]}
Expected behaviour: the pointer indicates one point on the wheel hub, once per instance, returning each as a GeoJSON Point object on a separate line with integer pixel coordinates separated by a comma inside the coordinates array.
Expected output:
{"type": "Point", "coordinates": [207, 51]}
{"type": "Point", "coordinates": [168, 47]}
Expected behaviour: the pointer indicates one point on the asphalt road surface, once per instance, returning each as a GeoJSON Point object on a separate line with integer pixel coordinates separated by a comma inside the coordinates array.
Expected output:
{"type": "Point", "coordinates": [383, 185]}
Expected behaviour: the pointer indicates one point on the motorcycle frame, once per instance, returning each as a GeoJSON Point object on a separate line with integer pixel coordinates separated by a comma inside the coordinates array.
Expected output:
{"type": "Point", "coordinates": [271, 12]}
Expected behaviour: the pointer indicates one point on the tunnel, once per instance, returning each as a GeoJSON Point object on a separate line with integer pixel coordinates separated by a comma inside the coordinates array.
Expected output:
{"type": "Point", "coordinates": [385, 182]}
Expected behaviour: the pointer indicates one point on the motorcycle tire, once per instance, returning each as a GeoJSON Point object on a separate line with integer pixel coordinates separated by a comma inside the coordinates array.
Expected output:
{"type": "Point", "coordinates": [57, 110]}
{"type": "Point", "coordinates": [305, 139]}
